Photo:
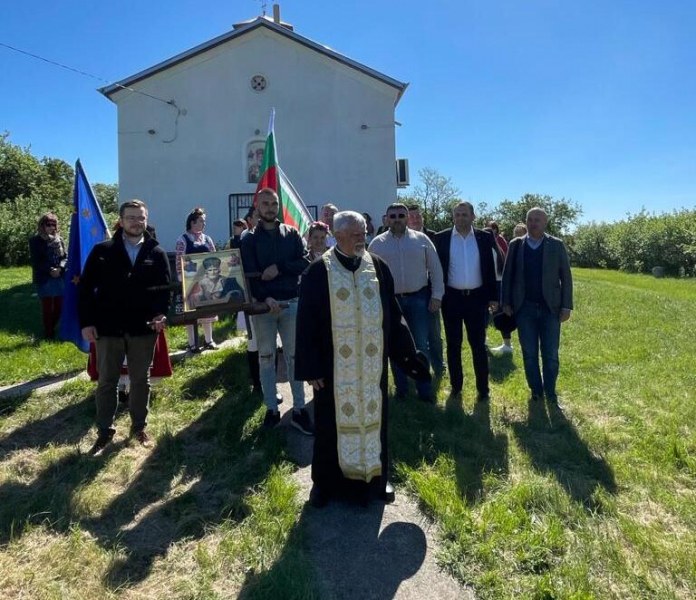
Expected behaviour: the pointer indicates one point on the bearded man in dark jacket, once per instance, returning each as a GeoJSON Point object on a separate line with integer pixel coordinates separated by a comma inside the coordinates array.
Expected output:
{"type": "Point", "coordinates": [122, 303]}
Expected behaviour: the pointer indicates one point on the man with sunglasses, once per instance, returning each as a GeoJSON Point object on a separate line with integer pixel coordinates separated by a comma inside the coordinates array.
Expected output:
{"type": "Point", "coordinates": [413, 261]}
{"type": "Point", "coordinates": [466, 254]}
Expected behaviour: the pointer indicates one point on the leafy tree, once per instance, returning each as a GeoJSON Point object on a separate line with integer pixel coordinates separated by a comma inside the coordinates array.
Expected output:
{"type": "Point", "coordinates": [20, 171]}
{"type": "Point", "coordinates": [436, 195]}
{"type": "Point", "coordinates": [57, 178]}
{"type": "Point", "coordinates": [562, 213]}
{"type": "Point", "coordinates": [22, 174]}
{"type": "Point", "coordinates": [107, 196]}
{"type": "Point", "coordinates": [30, 187]}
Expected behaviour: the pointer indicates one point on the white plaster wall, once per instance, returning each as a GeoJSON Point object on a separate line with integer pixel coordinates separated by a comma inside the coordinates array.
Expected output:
{"type": "Point", "coordinates": [320, 108]}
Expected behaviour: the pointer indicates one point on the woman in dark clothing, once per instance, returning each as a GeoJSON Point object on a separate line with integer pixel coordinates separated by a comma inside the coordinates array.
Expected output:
{"type": "Point", "coordinates": [48, 258]}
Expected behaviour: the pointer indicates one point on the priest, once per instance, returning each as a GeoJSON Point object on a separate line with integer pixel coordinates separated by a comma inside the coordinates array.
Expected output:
{"type": "Point", "coordinates": [348, 324]}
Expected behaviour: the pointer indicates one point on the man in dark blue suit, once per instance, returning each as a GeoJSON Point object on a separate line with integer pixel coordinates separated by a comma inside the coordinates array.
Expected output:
{"type": "Point", "coordinates": [466, 254]}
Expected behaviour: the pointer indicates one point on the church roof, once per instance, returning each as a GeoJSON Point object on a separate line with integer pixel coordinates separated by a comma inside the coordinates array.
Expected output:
{"type": "Point", "coordinates": [240, 30]}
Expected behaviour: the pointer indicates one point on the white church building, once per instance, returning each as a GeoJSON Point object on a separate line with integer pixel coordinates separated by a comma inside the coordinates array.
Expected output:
{"type": "Point", "coordinates": [191, 129]}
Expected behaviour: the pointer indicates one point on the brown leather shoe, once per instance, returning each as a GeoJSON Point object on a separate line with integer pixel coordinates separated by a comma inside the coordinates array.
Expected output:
{"type": "Point", "coordinates": [143, 438]}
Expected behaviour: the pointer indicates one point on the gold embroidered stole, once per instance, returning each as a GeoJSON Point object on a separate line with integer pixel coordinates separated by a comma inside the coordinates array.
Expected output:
{"type": "Point", "coordinates": [356, 317]}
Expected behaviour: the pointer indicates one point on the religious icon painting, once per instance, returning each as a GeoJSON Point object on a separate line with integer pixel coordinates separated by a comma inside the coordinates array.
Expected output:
{"type": "Point", "coordinates": [213, 279]}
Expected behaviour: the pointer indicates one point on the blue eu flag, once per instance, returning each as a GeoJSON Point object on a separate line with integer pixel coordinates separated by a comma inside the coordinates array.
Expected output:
{"type": "Point", "coordinates": [87, 228]}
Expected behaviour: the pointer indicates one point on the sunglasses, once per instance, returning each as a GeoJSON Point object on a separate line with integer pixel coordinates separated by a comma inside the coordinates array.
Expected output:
{"type": "Point", "coordinates": [397, 216]}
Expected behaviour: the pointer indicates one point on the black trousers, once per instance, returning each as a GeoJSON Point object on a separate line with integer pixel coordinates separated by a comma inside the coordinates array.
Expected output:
{"type": "Point", "coordinates": [471, 310]}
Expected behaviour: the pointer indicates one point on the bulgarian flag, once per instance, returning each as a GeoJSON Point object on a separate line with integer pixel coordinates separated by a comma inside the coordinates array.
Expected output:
{"type": "Point", "coordinates": [292, 211]}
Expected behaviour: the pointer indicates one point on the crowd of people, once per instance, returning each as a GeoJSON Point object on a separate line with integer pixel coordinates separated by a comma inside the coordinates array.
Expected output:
{"type": "Point", "coordinates": [346, 302]}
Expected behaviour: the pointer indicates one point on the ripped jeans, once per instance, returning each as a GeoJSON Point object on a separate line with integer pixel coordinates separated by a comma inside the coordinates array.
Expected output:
{"type": "Point", "coordinates": [267, 326]}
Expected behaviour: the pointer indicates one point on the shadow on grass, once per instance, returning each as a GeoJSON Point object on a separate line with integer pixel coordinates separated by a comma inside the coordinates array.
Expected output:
{"type": "Point", "coordinates": [341, 568]}
{"type": "Point", "coordinates": [9, 404]}
{"type": "Point", "coordinates": [501, 367]}
{"type": "Point", "coordinates": [48, 499]}
{"type": "Point", "coordinates": [20, 312]}
{"type": "Point", "coordinates": [193, 478]}
{"type": "Point", "coordinates": [421, 433]}
{"type": "Point", "coordinates": [216, 460]}
{"type": "Point", "coordinates": [64, 427]}
{"type": "Point", "coordinates": [10, 348]}
{"type": "Point", "coordinates": [554, 446]}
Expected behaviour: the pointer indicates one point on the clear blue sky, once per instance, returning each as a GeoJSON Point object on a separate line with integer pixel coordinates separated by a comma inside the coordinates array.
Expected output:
{"type": "Point", "coordinates": [593, 101]}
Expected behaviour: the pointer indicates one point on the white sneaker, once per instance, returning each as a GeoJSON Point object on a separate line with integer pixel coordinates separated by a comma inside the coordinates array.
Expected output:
{"type": "Point", "coordinates": [502, 349]}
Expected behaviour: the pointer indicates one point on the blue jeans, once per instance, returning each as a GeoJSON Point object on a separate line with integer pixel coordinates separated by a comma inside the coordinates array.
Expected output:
{"type": "Point", "coordinates": [267, 326]}
{"type": "Point", "coordinates": [539, 329]}
{"type": "Point", "coordinates": [435, 343]}
{"type": "Point", "coordinates": [415, 310]}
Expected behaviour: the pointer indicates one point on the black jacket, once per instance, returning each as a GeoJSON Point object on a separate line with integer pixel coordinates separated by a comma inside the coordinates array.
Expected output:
{"type": "Point", "coordinates": [262, 248]}
{"type": "Point", "coordinates": [485, 242]}
{"type": "Point", "coordinates": [41, 260]}
{"type": "Point", "coordinates": [113, 294]}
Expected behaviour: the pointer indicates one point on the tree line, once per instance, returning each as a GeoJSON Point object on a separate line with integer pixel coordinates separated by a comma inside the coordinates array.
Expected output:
{"type": "Point", "coordinates": [636, 244]}
{"type": "Point", "coordinates": [30, 186]}
{"type": "Point", "coordinates": [437, 195]}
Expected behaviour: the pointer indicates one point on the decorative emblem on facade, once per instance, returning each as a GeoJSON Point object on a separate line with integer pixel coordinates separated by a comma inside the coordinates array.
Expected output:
{"type": "Point", "coordinates": [258, 83]}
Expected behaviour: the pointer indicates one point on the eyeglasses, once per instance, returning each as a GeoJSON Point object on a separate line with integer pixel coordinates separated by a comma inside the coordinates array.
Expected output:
{"type": "Point", "coordinates": [397, 216]}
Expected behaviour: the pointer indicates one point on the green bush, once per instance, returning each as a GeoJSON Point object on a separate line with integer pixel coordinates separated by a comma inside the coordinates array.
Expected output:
{"type": "Point", "coordinates": [30, 187]}
{"type": "Point", "coordinates": [639, 243]}
{"type": "Point", "coordinates": [18, 219]}
{"type": "Point", "coordinates": [590, 246]}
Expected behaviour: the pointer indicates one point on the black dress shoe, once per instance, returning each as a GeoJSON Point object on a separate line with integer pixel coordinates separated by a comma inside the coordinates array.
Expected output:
{"type": "Point", "coordinates": [388, 495]}
{"type": "Point", "coordinates": [318, 497]}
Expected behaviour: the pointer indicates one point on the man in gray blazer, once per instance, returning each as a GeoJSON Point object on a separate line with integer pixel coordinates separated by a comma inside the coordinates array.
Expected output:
{"type": "Point", "coordinates": [538, 290]}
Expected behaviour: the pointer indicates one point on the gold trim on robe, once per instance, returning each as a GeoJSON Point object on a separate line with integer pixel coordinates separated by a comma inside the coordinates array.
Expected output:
{"type": "Point", "coordinates": [356, 317]}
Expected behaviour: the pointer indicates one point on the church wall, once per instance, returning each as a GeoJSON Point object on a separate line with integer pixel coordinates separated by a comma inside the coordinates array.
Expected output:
{"type": "Point", "coordinates": [198, 157]}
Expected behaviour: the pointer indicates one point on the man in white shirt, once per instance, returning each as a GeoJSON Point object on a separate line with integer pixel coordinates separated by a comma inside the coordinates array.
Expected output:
{"type": "Point", "coordinates": [466, 254]}
{"type": "Point", "coordinates": [412, 260]}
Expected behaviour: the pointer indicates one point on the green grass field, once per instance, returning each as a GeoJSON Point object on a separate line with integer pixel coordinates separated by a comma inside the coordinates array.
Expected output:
{"type": "Point", "coordinates": [593, 500]}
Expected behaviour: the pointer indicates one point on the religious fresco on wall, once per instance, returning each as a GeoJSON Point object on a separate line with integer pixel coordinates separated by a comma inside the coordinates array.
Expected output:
{"type": "Point", "coordinates": [254, 160]}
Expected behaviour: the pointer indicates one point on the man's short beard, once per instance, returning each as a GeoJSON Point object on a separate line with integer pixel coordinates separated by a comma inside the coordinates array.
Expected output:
{"type": "Point", "coordinates": [360, 251]}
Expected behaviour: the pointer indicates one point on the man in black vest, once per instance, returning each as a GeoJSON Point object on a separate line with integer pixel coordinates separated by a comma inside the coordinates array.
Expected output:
{"type": "Point", "coordinates": [538, 290]}
{"type": "Point", "coordinates": [466, 254]}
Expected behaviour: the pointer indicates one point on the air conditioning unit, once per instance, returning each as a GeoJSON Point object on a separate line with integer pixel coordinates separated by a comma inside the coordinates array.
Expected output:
{"type": "Point", "coordinates": [402, 180]}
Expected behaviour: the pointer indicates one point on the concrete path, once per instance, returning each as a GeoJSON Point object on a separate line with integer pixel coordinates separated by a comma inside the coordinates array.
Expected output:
{"type": "Point", "coordinates": [380, 552]}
